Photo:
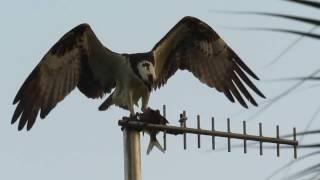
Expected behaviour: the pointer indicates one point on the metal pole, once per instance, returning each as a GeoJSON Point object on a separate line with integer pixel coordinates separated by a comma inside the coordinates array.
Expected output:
{"type": "Point", "coordinates": [164, 114]}
{"type": "Point", "coordinates": [132, 154]}
{"type": "Point", "coordinates": [244, 133]}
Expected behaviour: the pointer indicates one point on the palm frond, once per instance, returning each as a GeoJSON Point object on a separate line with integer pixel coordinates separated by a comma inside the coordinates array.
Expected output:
{"type": "Point", "coordinates": [307, 20]}
{"type": "Point", "coordinates": [313, 4]}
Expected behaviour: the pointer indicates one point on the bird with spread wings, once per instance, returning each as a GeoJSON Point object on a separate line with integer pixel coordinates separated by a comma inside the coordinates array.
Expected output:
{"type": "Point", "coordinates": [80, 60]}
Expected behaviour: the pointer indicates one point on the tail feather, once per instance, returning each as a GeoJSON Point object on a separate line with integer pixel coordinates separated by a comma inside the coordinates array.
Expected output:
{"type": "Point", "coordinates": [154, 143]}
{"type": "Point", "coordinates": [106, 104]}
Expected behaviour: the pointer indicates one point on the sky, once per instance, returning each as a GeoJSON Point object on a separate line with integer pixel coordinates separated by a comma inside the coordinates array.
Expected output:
{"type": "Point", "coordinates": [76, 141]}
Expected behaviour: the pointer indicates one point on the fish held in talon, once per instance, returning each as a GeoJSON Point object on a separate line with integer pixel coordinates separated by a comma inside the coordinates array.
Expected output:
{"type": "Point", "coordinates": [153, 117]}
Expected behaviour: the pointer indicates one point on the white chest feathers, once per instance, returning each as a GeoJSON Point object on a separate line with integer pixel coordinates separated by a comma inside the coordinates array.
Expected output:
{"type": "Point", "coordinates": [131, 87]}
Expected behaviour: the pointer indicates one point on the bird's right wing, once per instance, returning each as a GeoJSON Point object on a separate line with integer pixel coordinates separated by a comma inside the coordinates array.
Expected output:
{"type": "Point", "coordinates": [194, 46]}
{"type": "Point", "coordinates": [78, 59]}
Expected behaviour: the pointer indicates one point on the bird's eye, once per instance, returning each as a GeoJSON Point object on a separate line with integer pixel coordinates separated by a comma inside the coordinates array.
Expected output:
{"type": "Point", "coordinates": [146, 65]}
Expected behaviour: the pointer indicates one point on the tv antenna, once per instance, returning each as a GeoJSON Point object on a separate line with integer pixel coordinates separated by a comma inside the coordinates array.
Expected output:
{"type": "Point", "coordinates": [131, 137]}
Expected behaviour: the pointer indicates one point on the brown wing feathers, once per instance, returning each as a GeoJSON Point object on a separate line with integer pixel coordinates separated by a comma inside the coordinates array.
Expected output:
{"type": "Point", "coordinates": [199, 49]}
{"type": "Point", "coordinates": [62, 69]}
{"type": "Point", "coordinates": [42, 91]}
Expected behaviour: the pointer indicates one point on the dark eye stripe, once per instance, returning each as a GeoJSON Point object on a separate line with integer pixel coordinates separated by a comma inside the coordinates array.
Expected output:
{"type": "Point", "coordinates": [145, 64]}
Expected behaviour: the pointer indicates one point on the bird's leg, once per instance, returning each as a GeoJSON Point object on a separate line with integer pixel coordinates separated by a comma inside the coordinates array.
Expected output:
{"type": "Point", "coordinates": [144, 106]}
{"type": "Point", "coordinates": [145, 100]}
{"type": "Point", "coordinates": [130, 105]}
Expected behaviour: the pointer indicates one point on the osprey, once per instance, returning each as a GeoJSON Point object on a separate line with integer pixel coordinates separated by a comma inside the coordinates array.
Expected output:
{"type": "Point", "coordinates": [80, 60]}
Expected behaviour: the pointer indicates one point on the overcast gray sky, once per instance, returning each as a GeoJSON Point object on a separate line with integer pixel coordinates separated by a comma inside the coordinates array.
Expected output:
{"type": "Point", "coordinates": [76, 141]}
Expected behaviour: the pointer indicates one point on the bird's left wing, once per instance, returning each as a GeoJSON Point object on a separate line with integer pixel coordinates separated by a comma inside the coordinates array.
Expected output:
{"type": "Point", "coordinates": [78, 59]}
{"type": "Point", "coordinates": [194, 46]}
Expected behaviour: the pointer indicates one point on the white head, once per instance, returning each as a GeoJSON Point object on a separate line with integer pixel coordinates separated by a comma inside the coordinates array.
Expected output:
{"type": "Point", "coordinates": [147, 71]}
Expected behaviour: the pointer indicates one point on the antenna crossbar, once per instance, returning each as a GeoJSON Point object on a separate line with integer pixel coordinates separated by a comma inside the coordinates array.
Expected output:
{"type": "Point", "coordinates": [175, 130]}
